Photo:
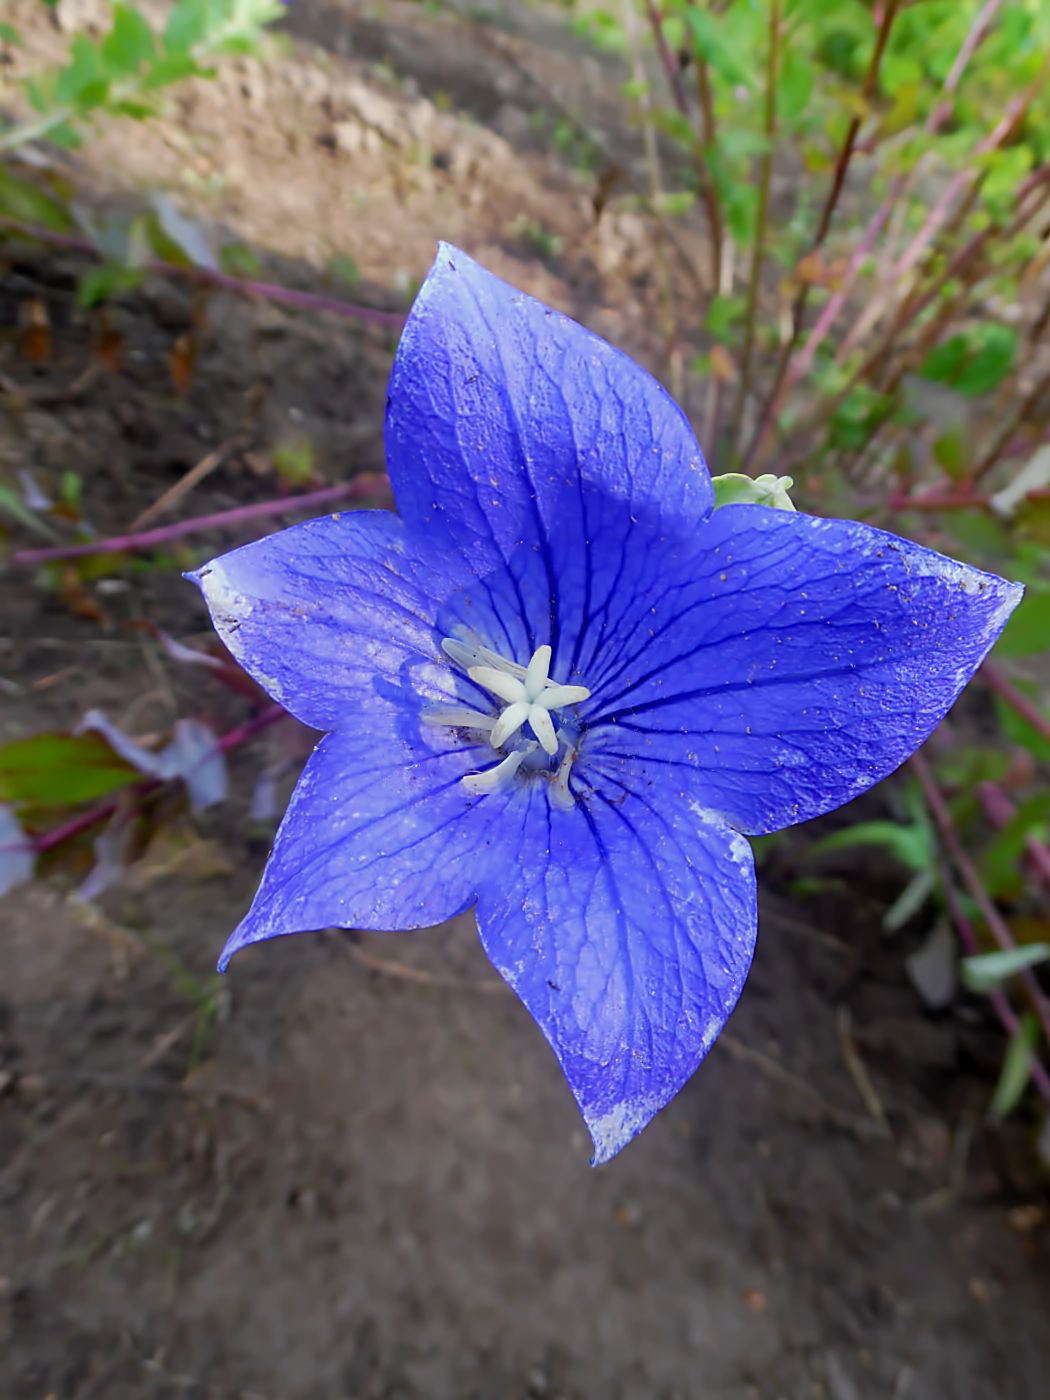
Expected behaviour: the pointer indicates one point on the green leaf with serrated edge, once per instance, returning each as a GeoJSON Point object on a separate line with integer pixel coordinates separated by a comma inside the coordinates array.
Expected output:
{"type": "Point", "coordinates": [129, 45]}
{"type": "Point", "coordinates": [986, 972]}
{"type": "Point", "coordinates": [1017, 1067]}
{"type": "Point", "coordinates": [61, 770]}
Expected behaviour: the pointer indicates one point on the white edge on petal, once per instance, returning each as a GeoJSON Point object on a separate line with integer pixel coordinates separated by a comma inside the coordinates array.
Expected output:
{"type": "Point", "coordinates": [229, 608]}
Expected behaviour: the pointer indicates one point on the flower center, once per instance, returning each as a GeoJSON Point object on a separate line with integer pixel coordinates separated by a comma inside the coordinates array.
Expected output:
{"type": "Point", "coordinates": [526, 696]}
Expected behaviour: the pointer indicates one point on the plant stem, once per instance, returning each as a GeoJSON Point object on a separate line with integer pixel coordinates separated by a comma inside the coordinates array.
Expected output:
{"type": "Point", "coordinates": [800, 363]}
{"type": "Point", "coordinates": [367, 484]}
{"type": "Point", "coordinates": [240, 734]}
{"type": "Point", "coordinates": [1000, 1005]}
{"type": "Point", "coordinates": [762, 218]}
{"type": "Point", "coordinates": [670, 67]}
{"type": "Point", "coordinates": [1000, 811]}
{"type": "Point", "coordinates": [993, 451]}
{"type": "Point", "coordinates": [213, 277]}
{"type": "Point", "coordinates": [709, 186]}
{"type": "Point", "coordinates": [970, 877]}
{"type": "Point", "coordinates": [994, 678]}
{"type": "Point", "coordinates": [827, 213]}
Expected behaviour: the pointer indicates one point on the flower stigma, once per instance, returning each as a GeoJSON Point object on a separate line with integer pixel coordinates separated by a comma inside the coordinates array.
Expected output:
{"type": "Point", "coordinates": [527, 697]}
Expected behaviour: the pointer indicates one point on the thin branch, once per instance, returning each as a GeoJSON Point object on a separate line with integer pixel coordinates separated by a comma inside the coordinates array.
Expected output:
{"type": "Point", "coordinates": [994, 678]}
{"type": "Point", "coordinates": [1000, 811]}
{"type": "Point", "coordinates": [709, 186]}
{"type": "Point", "coordinates": [670, 67]}
{"type": "Point", "coordinates": [801, 362]}
{"type": "Point", "coordinates": [212, 277]}
{"type": "Point", "coordinates": [968, 873]}
{"type": "Point", "coordinates": [827, 213]}
{"type": "Point", "coordinates": [367, 484]}
{"type": "Point", "coordinates": [999, 1003]}
{"type": "Point", "coordinates": [758, 250]}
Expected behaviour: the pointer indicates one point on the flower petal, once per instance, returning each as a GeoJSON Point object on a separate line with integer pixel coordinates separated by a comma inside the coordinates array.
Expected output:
{"type": "Point", "coordinates": [791, 661]}
{"type": "Point", "coordinates": [380, 834]}
{"type": "Point", "coordinates": [498, 404]}
{"type": "Point", "coordinates": [322, 613]}
{"type": "Point", "coordinates": [626, 927]}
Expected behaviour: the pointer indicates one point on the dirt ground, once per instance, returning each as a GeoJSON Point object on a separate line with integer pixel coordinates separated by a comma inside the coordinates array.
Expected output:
{"type": "Point", "coordinates": [365, 1179]}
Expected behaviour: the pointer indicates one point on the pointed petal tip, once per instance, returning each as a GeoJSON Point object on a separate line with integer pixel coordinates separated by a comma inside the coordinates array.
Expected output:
{"type": "Point", "coordinates": [613, 1130]}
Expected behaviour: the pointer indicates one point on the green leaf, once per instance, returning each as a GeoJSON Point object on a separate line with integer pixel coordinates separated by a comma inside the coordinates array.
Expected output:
{"type": "Point", "coordinates": [1019, 731]}
{"type": "Point", "coordinates": [1028, 630]}
{"type": "Point", "coordinates": [11, 505]}
{"type": "Point", "coordinates": [911, 845]}
{"type": "Point", "coordinates": [711, 45]}
{"type": "Point", "coordinates": [102, 283]}
{"type": "Point", "coordinates": [1001, 860]}
{"type": "Point", "coordinates": [723, 313]}
{"type": "Point", "coordinates": [84, 77]}
{"type": "Point", "coordinates": [342, 268]}
{"type": "Point", "coordinates": [61, 770]}
{"type": "Point", "coordinates": [795, 87]}
{"type": "Point", "coordinates": [8, 34]}
{"type": "Point", "coordinates": [1017, 1067]}
{"type": "Point", "coordinates": [986, 972]}
{"type": "Point", "coordinates": [974, 362]}
{"type": "Point", "coordinates": [129, 44]}
{"type": "Point", "coordinates": [187, 26]}
{"type": "Point", "coordinates": [26, 203]}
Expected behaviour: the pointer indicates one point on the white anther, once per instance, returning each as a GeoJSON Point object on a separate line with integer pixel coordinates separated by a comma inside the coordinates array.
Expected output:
{"type": "Point", "coordinates": [500, 775]}
{"type": "Point", "coordinates": [528, 697]}
{"type": "Point", "coordinates": [537, 671]}
{"type": "Point", "coordinates": [542, 726]}
{"type": "Point", "coordinates": [508, 688]}
{"type": "Point", "coordinates": [555, 696]}
{"type": "Point", "coordinates": [465, 655]}
{"type": "Point", "coordinates": [509, 722]}
{"type": "Point", "coordinates": [460, 717]}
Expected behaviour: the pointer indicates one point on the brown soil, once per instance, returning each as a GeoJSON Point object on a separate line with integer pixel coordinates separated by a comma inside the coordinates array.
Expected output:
{"type": "Point", "coordinates": [367, 1178]}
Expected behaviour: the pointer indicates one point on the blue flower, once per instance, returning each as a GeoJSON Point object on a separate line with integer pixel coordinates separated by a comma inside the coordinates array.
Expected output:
{"type": "Point", "coordinates": [560, 687]}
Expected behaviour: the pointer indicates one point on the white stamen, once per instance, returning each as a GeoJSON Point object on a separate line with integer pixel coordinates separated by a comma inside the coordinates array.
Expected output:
{"type": "Point", "coordinates": [500, 775]}
{"type": "Point", "coordinates": [542, 726]}
{"type": "Point", "coordinates": [537, 671]}
{"type": "Point", "coordinates": [555, 696]}
{"type": "Point", "coordinates": [508, 688]}
{"type": "Point", "coordinates": [459, 717]}
{"type": "Point", "coordinates": [528, 696]}
{"type": "Point", "coordinates": [465, 656]}
{"type": "Point", "coordinates": [509, 722]}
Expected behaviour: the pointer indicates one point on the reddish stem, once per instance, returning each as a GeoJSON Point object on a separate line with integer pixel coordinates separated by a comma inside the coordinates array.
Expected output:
{"type": "Point", "coordinates": [1016, 699]}
{"type": "Point", "coordinates": [674, 77]}
{"type": "Point", "coordinates": [970, 877]}
{"type": "Point", "coordinates": [1000, 1004]}
{"type": "Point", "coordinates": [933, 500]}
{"type": "Point", "coordinates": [366, 484]}
{"type": "Point", "coordinates": [212, 277]}
{"type": "Point", "coordinates": [1000, 811]}
{"type": "Point", "coordinates": [798, 310]}
{"type": "Point", "coordinates": [48, 840]}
